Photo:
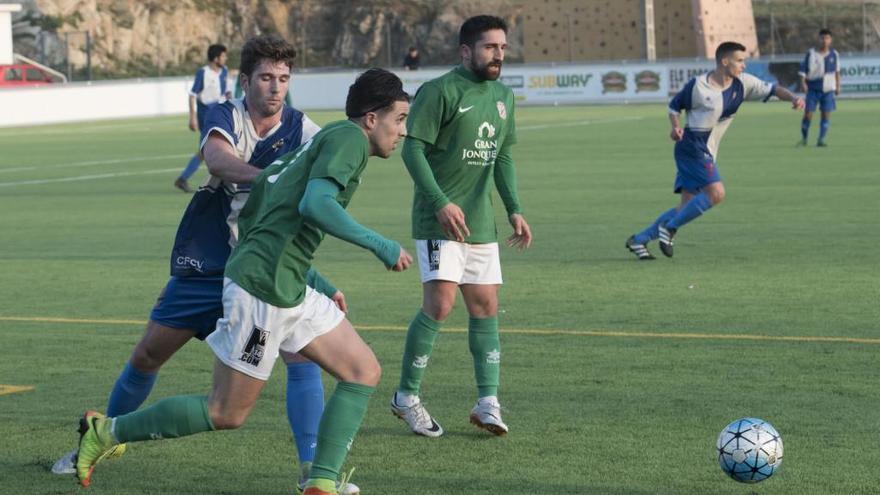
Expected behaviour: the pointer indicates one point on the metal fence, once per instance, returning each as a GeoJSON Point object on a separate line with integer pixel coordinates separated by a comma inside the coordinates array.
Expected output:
{"type": "Point", "coordinates": [788, 27]}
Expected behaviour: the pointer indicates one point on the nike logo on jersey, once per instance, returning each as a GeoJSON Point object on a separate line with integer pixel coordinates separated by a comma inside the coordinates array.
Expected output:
{"type": "Point", "coordinates": [463, 110]}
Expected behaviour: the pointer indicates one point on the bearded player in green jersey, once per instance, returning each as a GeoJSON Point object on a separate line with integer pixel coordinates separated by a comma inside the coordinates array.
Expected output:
{"type": "Point", "coordinates": [459, 136]}
{"type": "Point", "coordinates": [267, 306]}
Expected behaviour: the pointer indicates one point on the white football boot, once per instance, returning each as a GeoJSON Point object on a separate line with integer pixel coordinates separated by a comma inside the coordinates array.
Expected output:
{"type": "Point", "coordinates": [342, 487]}
{"type": "Point", "coordinates": [66, 464]}
{"type": "Point", "coordinates": [487, 415]}
{"type": "Point", "coordinates": [416, 417]}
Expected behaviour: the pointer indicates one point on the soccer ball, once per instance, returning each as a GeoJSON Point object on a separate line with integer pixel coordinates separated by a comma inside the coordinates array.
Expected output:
{"type": "Point", "coordinates": [749, 450]}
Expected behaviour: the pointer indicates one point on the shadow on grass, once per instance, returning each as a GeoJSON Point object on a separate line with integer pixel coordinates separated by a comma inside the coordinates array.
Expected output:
{"type": "Point", "coordinates": [465, 486]}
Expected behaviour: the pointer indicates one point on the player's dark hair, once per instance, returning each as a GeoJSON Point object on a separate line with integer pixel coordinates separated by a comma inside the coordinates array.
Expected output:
{"type": "Point", "coordinates": [824, 31]}
{"type": "Point", "coordinates": [372, 91]}
{"type": "Point", "coordinates": [215, 51]}
{"type": "Point", "coordinates": [269, 47]}
{"type": "Point", "coordinates": [726, 48]}
{"type": "Point", "coordinates": [473, 28]}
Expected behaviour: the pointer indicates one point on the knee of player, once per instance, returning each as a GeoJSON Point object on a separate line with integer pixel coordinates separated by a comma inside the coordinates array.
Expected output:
{"type": "Point", "coordinates": [484, 309]}
{"type": "Point", "coordinates": [225, 419]}
{"type": "Point", "coordinates": [717, 195]}
{"type": "Point", "coordinates": [438, 310]}
{"type": "Point", "coordinates": [367, 373]}
{"type": "Point", "coordinates": [371, 374]}
{"type": "Point", "coordinates": [146, 359]}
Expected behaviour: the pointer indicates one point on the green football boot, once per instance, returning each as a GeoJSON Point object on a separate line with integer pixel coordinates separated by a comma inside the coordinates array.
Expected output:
{"type": "Point", "coordinates": [95, 444]}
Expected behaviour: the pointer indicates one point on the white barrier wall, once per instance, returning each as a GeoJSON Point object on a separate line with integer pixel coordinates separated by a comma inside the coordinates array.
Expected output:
{"type": "Point", "coordinates": [77, 102]}
{"type": "Point", "coordinates": [532, 85]}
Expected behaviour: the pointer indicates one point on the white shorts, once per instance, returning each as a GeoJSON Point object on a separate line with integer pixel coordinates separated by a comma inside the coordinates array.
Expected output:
{"type": "Point", "coordinates": [459, 262]}
{"type": "Point", "coordinates": [251, 332]}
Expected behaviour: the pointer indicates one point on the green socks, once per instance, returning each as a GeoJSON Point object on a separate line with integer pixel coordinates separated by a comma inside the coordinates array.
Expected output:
{"type": "Point", "coordinates": [483, 341]}
{"type": "Point", "coordinates": [341, 420]}
{"type": "Point", "coordinates": [169, 418]}
{"type": "Point", "coordinates": [419, 343]}
{"type": "Point", "coordinates": [485, 346]}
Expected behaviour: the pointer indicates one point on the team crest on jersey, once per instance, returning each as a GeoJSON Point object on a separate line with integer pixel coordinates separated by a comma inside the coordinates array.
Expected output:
{"type": "Point", "coordinates": [278, 144]}
{"type": "Point", "coordinates": [256, 347]}
{"type": "Point", "coordinates": [502, 110]}
{"type": "Point", "coordinates": [486, 130]}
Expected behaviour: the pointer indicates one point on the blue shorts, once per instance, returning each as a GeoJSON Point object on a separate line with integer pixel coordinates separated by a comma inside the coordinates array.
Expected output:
{"type": "Point", "coordinates": [190, 303]}
{"type": "Point", "coordinates": [201, 117]}
{"type": "Point", "coordinates": [823, 99]}
{"type": "Point", "coordinates": [693, 174]}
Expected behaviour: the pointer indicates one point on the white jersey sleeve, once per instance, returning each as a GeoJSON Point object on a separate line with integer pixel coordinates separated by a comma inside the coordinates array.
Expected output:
{"type": "Point", "coordinates": [309, 129]}
{"type": "Point", "coordinates": [756, 89]}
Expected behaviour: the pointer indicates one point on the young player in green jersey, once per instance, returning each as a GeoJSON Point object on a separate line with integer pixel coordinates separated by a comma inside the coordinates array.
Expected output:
{"type": "Point", "coordinates": [458, 146]}
{"type": "Point", "coordinates": [267, 305]}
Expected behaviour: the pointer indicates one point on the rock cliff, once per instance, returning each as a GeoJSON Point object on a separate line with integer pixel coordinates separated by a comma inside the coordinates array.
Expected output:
{"type": "Point", "coordinates": [153, 37]}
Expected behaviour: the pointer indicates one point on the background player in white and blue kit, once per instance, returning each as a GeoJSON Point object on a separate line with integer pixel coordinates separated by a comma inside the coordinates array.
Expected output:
{"type": "Point", "coordinates": [820, 80]}
{"type": "Point", "coordinates": [241, 137]}
{"type": "Point", "coordinates": [710, 100]}
{"type": "Point", "coordinates": [208, 89]}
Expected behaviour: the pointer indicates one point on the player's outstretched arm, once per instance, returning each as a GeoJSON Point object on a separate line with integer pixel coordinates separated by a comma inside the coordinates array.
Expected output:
{"type": "Point", "coordinates": [783, 94]}
{"type": "Point", "coordinates": [222, 161]}
{"type": "Point", "coordinates": [449, 215]}
{"type": "Point", "coordinates": [320, 208]}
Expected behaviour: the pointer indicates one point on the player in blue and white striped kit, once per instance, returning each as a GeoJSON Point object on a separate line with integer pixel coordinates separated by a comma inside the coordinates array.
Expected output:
{"type": "Point", "coordinates": [820, 80]}
{"type": "Point", "coordinates": [710, 100]}
{"type": "Point", "coordinates": [240, 138]}
{"type": "Point", "coordinates": [208, 89]}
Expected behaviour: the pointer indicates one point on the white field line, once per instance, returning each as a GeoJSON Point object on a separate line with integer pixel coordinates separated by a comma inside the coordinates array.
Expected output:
{"type": "Point", "coordinates": [95, 162]}
{"type": "Point", "coordinates": [579, 123]}
{"type": "Point", "coordinates": [36, 131]}
{"type": "Point", "coordinates": [87, 177]}
{"type": "Point", "coordinates": [149, 172]}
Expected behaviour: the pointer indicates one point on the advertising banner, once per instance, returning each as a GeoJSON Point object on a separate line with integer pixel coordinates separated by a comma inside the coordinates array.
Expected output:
{"type": "Point", "coordinates": [567, 84]}
{"type": "Point", "coordinates": [586, 83]}
{"type": "Point", "coordinates": [860, 75]}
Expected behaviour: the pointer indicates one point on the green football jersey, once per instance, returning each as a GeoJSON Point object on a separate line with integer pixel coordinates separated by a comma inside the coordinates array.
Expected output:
{"type": "Point", "coordinates": [465, 122]}
{"type": "Point", "coordinates": [276, 245]}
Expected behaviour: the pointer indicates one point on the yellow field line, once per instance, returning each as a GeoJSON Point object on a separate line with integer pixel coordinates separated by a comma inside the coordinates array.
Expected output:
{"type": "Point", "coordinates": [516, 331]}
{"type": "Point", "coordinates": [12, 389]}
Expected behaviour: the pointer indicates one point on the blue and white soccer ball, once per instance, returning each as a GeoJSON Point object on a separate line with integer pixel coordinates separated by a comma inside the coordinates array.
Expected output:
{"type": "Point", "coordinates": [749, 450]}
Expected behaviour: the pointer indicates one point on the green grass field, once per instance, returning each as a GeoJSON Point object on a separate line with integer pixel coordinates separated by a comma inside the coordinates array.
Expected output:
{"type": "Point", "coordinates": [618, 375]}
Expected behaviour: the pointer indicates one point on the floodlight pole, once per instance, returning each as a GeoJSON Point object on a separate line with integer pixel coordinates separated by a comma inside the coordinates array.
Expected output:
{"type": "Point", "coordinates": [67, 55]}
{"type": "Point", "coordinates": [649, 33]}
{"type": "Point", "coordinates": [570, 39]}
{"type": "Point", "coordinates": [772, 33]}
{"type": "Point", "coordinates": [89, 55]}
{"type": "Point", "coordinates": [388, 43]}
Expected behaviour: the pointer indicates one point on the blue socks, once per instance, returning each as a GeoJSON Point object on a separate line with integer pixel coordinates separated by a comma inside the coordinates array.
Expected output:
{"type": "Point", "coordinates": [305, 405]}
{"type": "Point", "coordinates": [823, 129]}
{"type": "Point", "coordinates": [805, 128]}
{"type": "Point", "coordinates": [651, 232]}
{"type": "Point", "coordinates": [191, 167]}
{"type": "Point", "coordinates": [698, 205]}
{"type": "Point", "coordinates": [130, 391]}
